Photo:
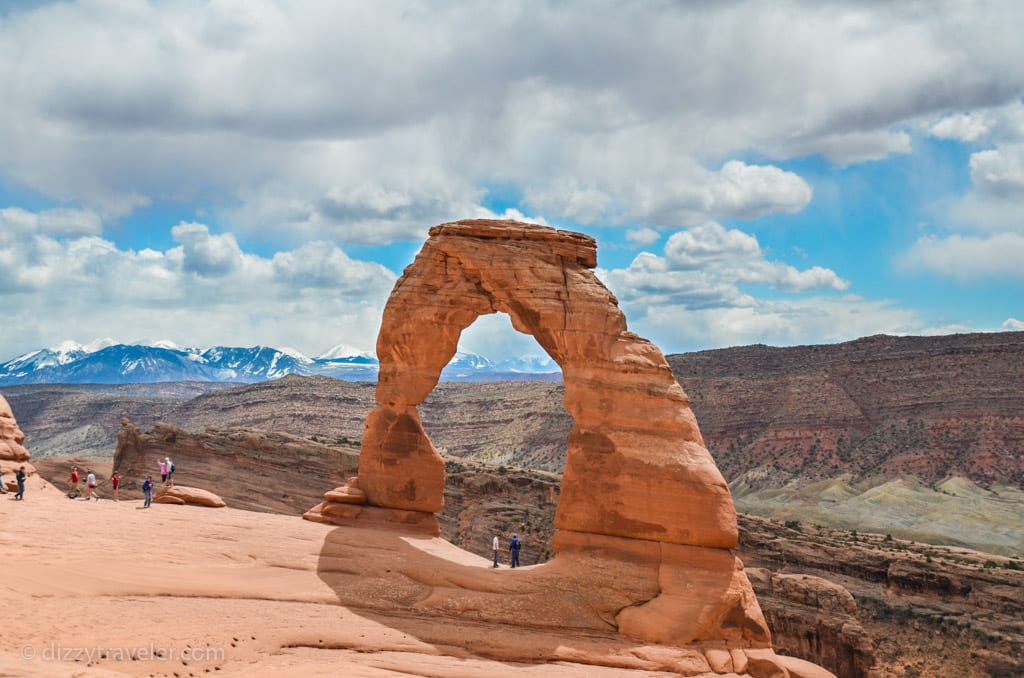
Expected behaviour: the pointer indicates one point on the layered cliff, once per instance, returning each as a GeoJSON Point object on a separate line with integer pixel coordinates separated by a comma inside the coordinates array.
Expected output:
{"type": "Point", "coordinates": [929, 407]}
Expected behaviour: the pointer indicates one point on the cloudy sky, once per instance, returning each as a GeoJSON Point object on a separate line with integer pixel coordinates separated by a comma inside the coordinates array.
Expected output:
{"type": "Point", "coordinates": [245, 172]}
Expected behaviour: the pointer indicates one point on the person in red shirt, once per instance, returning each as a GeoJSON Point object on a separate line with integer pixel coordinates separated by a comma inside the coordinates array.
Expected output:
{"type": "Point", "coordinates": [115, 483]}
{"type": "Point", "coordinates": [73, 483]}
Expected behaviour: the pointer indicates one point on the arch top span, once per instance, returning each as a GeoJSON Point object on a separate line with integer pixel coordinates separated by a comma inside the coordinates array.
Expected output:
{"type": "Point", "coordinates": [636, 464]}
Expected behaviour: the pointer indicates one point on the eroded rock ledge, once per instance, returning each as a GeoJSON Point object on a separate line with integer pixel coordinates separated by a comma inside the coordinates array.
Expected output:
{"type": "Point", "coordinates": [13, 454]}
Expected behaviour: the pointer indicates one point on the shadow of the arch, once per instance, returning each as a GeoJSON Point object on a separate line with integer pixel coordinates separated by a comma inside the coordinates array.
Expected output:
{"type": "Point", "coordinates": [442, 595]}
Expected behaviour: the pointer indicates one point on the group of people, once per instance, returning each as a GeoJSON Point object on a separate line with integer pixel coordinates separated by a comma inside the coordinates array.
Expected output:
{"type": "Point", "coordinates": [74, 487]}
{"type": "Point", "coordinates": [74, 483]}
{"type": "Point", "coordinates": [19, 477]}
{"type": "Point", "coordinates": [515, 545]}
{"type": "Point", "coordinates": [91, 484]}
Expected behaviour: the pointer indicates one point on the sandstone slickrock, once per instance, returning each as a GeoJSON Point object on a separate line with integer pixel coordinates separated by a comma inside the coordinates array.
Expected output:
{"type": "Point", "coordinates": [639, 486]}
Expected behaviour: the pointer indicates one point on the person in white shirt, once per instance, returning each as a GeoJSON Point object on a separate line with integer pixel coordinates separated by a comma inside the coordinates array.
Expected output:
{"type": "Point", "coordinates": [90, 481]}
{"type": "Point", "coordinates": [496, 545]}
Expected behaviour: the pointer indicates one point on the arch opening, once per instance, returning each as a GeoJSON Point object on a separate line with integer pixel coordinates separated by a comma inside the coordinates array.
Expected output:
{"type": "Point", "coordinates": [503, 443]}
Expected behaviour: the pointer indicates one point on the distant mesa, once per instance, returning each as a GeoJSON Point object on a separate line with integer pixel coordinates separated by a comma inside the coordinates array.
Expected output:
{"type": "Point", "coordinates": [640, 492]}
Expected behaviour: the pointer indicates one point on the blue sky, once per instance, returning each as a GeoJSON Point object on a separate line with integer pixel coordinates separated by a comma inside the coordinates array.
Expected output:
{"type": "Point", "coordinates": [242, 173]}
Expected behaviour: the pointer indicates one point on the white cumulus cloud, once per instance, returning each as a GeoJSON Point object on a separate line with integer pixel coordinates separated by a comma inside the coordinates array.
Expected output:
{"type": "Point", "coordinates": [1000, 171]}
{"type": "Point", "coordinates": [643, 236]}
{"type": "Point", "coordinates": [966, 258]}
{"type": "Point", "coordinates": [205, 291]}
{"type": "Point", "coordinates": [969, 127]}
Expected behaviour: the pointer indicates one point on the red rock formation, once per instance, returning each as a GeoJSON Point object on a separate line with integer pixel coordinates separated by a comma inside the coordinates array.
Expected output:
{"type": "Point", "coordinates": [11, 437]}
{"type": "Point", "coordinates": [13, 454]}
{"type": "Point", "coordinates": [253, 470]}
{"type": "Point", "coordinates": [814, 617]}
{"type": "Point", "coordinates": [635, 443]}
{"type": "Point", "coordinates": [188, 495]}
{"type": "Point", "coordinates": [639, 485]}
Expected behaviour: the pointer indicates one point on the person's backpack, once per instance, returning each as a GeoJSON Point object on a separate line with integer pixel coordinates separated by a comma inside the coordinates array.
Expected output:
{"type": "Point", "coordinates": [172, 467]}
{"type": "Point", "coordinates": [516, 544]}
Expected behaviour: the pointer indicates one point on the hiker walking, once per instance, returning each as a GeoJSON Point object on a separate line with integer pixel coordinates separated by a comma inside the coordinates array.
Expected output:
{"type": "Point", "coordinates": [115, 484]}
{"type": "Point", "coordinates": [513, 547]}
{"type": "Point", "coordinates": [496, 545]}
{"type": "Point", "coordinates": [20, 477]}
{"type": "Point", "coordinates": [90, 484]}
{"type": "Point", "coordinates": [147, 489]}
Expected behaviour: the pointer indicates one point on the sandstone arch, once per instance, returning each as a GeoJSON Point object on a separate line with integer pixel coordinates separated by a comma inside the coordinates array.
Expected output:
{"type": "Point", "coordinates": [636, 464]}
{"type": "Point", "coordinates": [645, 521]}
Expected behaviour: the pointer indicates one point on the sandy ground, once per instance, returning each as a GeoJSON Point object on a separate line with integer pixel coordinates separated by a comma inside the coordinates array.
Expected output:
{"type": "Point", "coordinates": [103, 588]}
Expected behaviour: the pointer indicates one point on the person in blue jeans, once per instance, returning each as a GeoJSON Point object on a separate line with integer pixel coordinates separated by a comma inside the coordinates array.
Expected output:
{"type": "Point", "coordinates": [513, 547]}
{"type": "Point", "coordinates": [20, 477]}
{"type": "Point", "coordinates": [495, 545]}
{"type": "Point", "coordinates": [147, 489]}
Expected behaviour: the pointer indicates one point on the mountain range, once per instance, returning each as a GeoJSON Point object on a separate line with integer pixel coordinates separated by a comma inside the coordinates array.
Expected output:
{"type": "Point", "coordinates": [107, 362]}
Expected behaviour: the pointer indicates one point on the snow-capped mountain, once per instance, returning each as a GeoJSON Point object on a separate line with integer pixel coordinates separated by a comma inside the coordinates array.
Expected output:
{"type": "Point", "coordinates": [347, 353]}
{"type": "Point", "coordinates": [258, 363]}
{"type": "Point", "coordinates": [107, 362]}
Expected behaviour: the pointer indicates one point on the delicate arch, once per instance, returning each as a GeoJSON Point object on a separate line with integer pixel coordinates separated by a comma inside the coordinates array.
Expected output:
{"type": "Point", "coordinates": [636, 463]}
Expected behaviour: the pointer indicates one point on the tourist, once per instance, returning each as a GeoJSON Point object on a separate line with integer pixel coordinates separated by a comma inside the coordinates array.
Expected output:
{"type": "Point", "coordinates": [3, 484]}
{"type": "Point", "coordinates": [147, 489]}
{"type": "Point", "coordinates": [73, 483]}
{"type": "Point", "coordinates": [163, 472]}
{"type": "Point", "coordinates": [115, 484]}
{"type": "Point", "coordinates": [495, 544]}
{"type": "Point", "coordinates": [513, 548]}
{"type": "Point", "coordinates": [20, 477]}
{"type": "Point", "coordinates": [170, 471]}
{"type": "Point", "coordinates": [90, 483]}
